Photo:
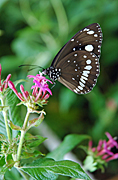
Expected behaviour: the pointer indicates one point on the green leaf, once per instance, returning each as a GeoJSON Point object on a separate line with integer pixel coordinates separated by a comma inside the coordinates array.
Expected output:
{"type": "Point", "coordinates": [30, 144]}
{"type": "Point", "coordinates": [13, 174]}
{"type": "Point", "coordinates": [14, 115]}
{"type": "Point", "coordinates": [26, 155]}
{"type": "Point", "coordinates": [48, 169]}
{"type": "Point", "coordinates": [37, 141]}
{"type": "Point", "coordinates": [34, 140]}
{"type": "Point", "coordinates": [3, 137]}
{"type": "Point", "coordinates": [4, 167]}
{"type": "Point", "coordinates": [36, 121]}
{"type": "Point", "coordinates": [70, 141]}
{"type": "Point", "coordinates": [2, 124]}
{"type": "Point", "coordinates": [11, 100]}
{"type": "Point", "coordinates": [89, 164]}
{"type": "Point", "coordinates": [14, 127]}
{"type": "Point", "coordinates": [29, 136]}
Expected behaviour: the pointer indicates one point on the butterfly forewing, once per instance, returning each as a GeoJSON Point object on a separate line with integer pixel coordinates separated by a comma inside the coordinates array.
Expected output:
{"type": "Point", "coordinates": [88, 39]}
{"type": "Point", "coordinates": [76, 65]}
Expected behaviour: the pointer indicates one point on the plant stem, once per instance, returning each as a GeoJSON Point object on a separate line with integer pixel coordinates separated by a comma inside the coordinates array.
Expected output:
{"type": "Point", "coordinates": [6, 122]}
{"type": "Point", "coordinates": [25, 176]}
{"type": "Point", "coordinates": [23, 131]}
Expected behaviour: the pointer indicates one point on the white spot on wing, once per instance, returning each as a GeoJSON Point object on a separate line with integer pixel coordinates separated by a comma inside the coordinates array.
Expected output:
{"type": "Point", "coordinates": [81, 84]}
{"type": "Point", "coordinates": [85, 73]}
{"type": "Point", "coordinates": [89, 47]}
{"type": "Point", "coordinates": [88, 67]}
{"type": "Point", "coordinates": [84, 56]}
{"type": "Point", "coordinates": [95, 35]}
{"type": "Point", "coordinates": [93, 55]}
{"type": "Point", "coordinates": [75, 91]}
{"type": "Point", "coordinates": [84, 78]}
{"type": "Point", "coordinates": [81, 88]}
{"type": "Point", "coordinates": [88, 61]}
{"type": "Point", "coordinates": [90, 32]}
{"type": "Point", "coordinates": [72, 39]}
{"type": "Point", "coordinates": [85, 29]}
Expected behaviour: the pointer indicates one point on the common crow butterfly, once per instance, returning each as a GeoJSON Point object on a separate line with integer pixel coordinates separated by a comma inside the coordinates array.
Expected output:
{"type": "Point", "coordinates": [76, 65]}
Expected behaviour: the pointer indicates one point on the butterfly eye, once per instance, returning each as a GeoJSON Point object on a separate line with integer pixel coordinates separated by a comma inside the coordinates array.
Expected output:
{"type": "Point", "coordinates": [76, 65]}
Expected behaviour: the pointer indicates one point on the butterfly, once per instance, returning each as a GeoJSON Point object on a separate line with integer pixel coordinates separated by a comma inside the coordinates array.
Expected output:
{"type": "Point", "coordinates": [76, 65]}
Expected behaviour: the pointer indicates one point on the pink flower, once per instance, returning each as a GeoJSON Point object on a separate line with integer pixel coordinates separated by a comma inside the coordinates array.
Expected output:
{"type": "Point", "coordinates": [103, 153]}
{"type": "Point", "coordinates": [40, 93]}
{"type": "Point", "coordinates": [41, 82]}
{"type": "Point", "coordinates": [4, 84]}
{"type": "Point", "coordinates": [112, 142]}
{"type": "Point", "coordinates": [19, 95]}
{"type": "Point", "coordinates": [104, 149]}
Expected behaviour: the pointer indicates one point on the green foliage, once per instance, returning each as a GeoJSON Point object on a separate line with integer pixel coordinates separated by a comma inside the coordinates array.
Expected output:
{"type": "Point", "coordinates": [13, 111]}
{"type": "Point", "coordinates": [90, 164]}
{"type": "Point", "coordinates": [13, 174]}
{"type": "Point", "coordinates": [67, 145]}
{"type": "Point", "coordinates": [47, 169]}
{"type": "Point", "coordinates": [2, 124]}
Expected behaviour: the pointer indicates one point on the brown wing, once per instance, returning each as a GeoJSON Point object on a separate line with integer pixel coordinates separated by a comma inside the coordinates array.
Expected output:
{"type": "Point", "coordinates": [79, 71]}
{"type": "Point", "coordinates": [88, 39]}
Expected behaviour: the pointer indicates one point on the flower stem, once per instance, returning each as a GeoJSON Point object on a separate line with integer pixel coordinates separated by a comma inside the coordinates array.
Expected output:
{"type": "Point", "coordinates": [25, 176]}
{"type": "Point", "coordinates": [23, 131]}
{"type": "Point", "coordinates": [6, 122]}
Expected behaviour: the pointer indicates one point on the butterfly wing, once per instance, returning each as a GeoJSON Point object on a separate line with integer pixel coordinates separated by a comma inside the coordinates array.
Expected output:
{"type": "Point", "coordinates": [78, 60]}
{"type": "Point", "coordinates": [88, 39]}
{"type": "Point", "coordinates": [79, 71]}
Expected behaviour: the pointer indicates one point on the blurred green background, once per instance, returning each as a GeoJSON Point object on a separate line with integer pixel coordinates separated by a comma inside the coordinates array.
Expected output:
{"type": "Point", "coordinates": [33, 31]}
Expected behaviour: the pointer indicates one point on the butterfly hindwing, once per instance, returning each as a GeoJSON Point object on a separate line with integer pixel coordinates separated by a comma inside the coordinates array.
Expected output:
{"type": "Point", "coordinates": [80, 71]}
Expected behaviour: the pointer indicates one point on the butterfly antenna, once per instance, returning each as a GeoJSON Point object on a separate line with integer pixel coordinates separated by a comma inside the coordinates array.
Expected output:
{"type": "Point", "coordinates": [35, 66]}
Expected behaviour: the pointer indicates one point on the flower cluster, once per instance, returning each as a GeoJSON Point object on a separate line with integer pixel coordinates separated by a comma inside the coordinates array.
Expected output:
{"type": "Point", "coordinates": [40, 93]}
{"type": "Point", "coordinates": [105, 148]}
{"type": "Point", "coordinates": [104, 152]}
{"type": "Point", "coordinates": [4, 84]}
